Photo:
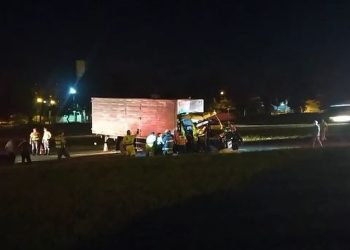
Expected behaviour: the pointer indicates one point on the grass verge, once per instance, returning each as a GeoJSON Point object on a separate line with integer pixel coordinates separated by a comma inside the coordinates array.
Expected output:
{"type": "Point", "coordinates": [58, 205]}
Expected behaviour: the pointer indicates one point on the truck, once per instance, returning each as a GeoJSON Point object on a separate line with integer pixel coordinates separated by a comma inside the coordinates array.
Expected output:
{"type": "Point", "coordinates": [112, 117]}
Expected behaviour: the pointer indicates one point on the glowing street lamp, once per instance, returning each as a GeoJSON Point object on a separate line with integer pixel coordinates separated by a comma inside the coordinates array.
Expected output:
{"type": "Point", "coordinates": [222, 92]}
{"type": "Point", "coordinates": [72, 91]}
{"type": "Point", "coordinates": [52, 102]}
{"type": "Point", "coordinates": [40, 102]}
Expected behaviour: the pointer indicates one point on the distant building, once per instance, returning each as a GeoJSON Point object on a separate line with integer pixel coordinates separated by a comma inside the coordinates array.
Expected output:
{"type": "Point", "coordinates": [282, 108]}
{"type": "Point", "coordinates": [312, 106]}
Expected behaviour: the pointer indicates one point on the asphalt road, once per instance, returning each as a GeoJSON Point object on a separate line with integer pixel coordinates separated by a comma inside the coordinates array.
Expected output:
{"type": "Point", "coordinates": [92, 152]}
{"type": "Point", "coordinates": [245, 148]}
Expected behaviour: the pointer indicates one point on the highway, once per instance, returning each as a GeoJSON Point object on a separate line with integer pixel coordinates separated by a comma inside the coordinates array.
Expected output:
{"type": "Point", "coordinates": [245, 148]}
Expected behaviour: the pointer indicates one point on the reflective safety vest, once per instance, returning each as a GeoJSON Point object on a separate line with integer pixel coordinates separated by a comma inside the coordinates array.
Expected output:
{"type": "Point", "coordinates": [128, 140]}
{"type": "Point", "coordinates": [60, 141]}
{"type": "Point", "coordinates": [34, 136]}
{"type": "Point", "coordinates": [181, 140]}
{"type": "Point", "coordinates": [168, 142]}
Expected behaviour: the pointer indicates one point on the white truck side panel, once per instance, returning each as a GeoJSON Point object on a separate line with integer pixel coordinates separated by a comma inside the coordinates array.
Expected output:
{"type": "Point", "coordinates": [114, 116]}
{"type": "Point", "coordinates": [190, 106]}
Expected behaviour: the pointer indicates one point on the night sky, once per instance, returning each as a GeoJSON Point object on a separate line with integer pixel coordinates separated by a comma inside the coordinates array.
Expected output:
{"type": "Point", "coordinates": [176, 49]}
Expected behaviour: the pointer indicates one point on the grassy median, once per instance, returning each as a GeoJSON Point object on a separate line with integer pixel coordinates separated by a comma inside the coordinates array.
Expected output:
{"type": "Point", "coordinates": [59, 205]}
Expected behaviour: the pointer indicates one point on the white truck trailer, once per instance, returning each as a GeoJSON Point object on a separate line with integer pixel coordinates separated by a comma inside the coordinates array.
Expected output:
{"type": "Point", "coordinates": [112, 117]}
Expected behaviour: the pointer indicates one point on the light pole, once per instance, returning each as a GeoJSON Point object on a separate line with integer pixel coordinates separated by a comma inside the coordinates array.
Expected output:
{"type": "Point", "coordinates": [40, 102]}
{"type": "Point", "coordinates": [73, 91]}
{"type": "Point", "coordinates": [52, 103]}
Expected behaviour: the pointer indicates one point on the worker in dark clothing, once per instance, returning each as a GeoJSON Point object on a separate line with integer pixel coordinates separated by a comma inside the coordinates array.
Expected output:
{"type": "Point", "coordinates": [61, 148]}
{"type": "Point", "coordinates": [202, 140]}
{"type": "Point", "coordinates": [323, 130]}
{"type": "Point", "coordinates": [24, 148]}
{"type": "Point", "coordinates": [158, 144]}
{"type": "Point", "coordinates": [168, 143]}
{"type": "Point", "coordinates": [234, 137]}
{"type": "Point", "coordinates": [10, 150]}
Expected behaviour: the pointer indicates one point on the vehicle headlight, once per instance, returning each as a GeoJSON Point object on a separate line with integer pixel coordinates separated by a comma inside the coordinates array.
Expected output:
{"type": "Point", "coordinates": [340, 118]}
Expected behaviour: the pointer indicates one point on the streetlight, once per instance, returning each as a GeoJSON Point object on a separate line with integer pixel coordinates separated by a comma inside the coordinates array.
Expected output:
{"type": "Point", "coordinates": [72, 91]}
{"type": "Point", "coordinates": [222, 92]}
{"type": "Point", "coordinates": [40, 101]}
{"type": "Point", "coordinates": [51, 103]}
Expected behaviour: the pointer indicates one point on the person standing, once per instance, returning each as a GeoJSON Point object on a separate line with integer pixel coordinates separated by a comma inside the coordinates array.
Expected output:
{"type": "Point", "coordinates": [168, 143]}
{"type": "Point", "coordinates": [10, 150]}
{"type": "Point", "coordinates": [324, 130]}
{"type": "Point", "coordinates": [150, 144]}
{"type": "Point", "coordinates": [46, 141]}
{"type": "Point", "coordinates": [235, 137]}
{"type": "Point", "coordinates": [180, 142]}
{"type": "Point", "coordinates": [60, 141]}
{"type": "Point", "coordinates": [24, 148]}
{"type": "Point", "coordinates": [159, 144]}
{"type": "Point", "coordinates": [34, 138]}
{"type": "Point", "coordinates": [316, 134]}
{"type": "Point", "coordinates": [202, 140]}
{"type": "Point", "coordinates": [128, 143]}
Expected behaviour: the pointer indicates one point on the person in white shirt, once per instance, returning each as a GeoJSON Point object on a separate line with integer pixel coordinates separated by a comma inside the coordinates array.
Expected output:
{"type": "Point", "coordinates": [316, 134]}
{"type": "Point", "coordinates": [150, 144]}
{"type": "Point", "coordinates": [46, 141]}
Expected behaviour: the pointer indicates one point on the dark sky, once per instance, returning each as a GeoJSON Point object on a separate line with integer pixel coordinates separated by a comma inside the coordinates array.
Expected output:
{"type": "Point", "coordinates": [176, 49]}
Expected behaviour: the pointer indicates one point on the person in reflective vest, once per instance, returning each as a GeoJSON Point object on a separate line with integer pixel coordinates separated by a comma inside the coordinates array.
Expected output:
{"type": "Point", "coordinates": [180, 142]}
{"type": "Point", "coordinates": [150, 144]}
{"type": "Point", "coordinates": [34, 138]}
{"type": "Point", "coordinates": [128, 143]}
{"type": "Point", "coordinates": [61, 148]}
{"type": "Point", "coordinates": [168, 143]}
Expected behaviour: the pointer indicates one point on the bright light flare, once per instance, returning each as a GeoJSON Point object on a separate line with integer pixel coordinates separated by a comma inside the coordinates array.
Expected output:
{"type": "Point", "coordinates": [72, 91]}
{"type": "Point", "coordinates": [39, 100]}
{"type": "Point", "coordinates": [340, 118]}
{"type": "Point", "coordinates": [222, 92]}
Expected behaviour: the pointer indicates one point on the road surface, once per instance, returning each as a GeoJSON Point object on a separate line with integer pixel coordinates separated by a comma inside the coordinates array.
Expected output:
{"type": "Point", "coordinates": [245, 148]}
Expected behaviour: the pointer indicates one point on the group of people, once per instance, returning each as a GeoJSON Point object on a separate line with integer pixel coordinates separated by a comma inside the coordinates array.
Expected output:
{"type": "Point", "coordinates": [164, 144]}
{"type": "Point", "coordinates": [319, 133]}
{"type": "Point", "coordinates": [36, 145]}
{"type": "Point", "coordinates": [178, 142]}
{"type": "Point", "coordinates": [40, 145]}
{"type": "Point", "coordinates": [155, 144]}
